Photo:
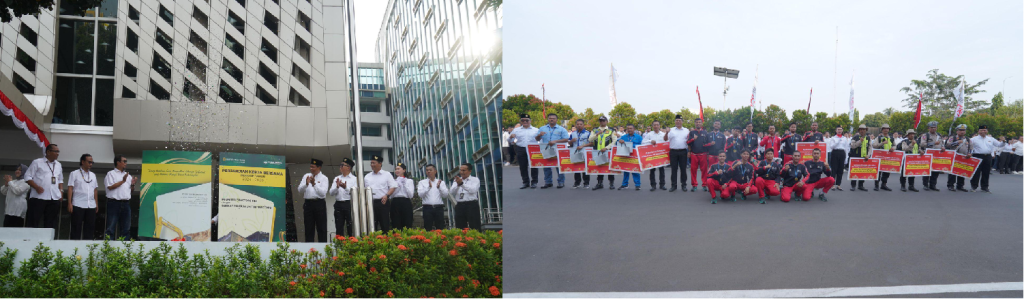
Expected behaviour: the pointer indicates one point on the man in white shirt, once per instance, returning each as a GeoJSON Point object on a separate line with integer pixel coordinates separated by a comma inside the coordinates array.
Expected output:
{"type": "Point", "coordinates": [677, 153]}
{"type": "Point", "coordinates": [119, 192]}
{"type": "Point", "coordinates": [381, 185]}
{"type": "Point", "coordinates": [505, 134]}
{"type": "Point", "coordinates": [653, 137]}
{"type": "Point", "coordinates": [433, 191]}
{"type": "Point", "coordinates": [46, 178]}
{"type": "Point", "coordinates": [838, 146]}
{"type": "Point", "coordinates": [313, 188]}
{"type": "Point", "coordinates": [525, 135]}
{"type": "Point", "coordinates": [1018, 152]}
{"type": "Point", "coordinates": [342, 188]}
{"type": "Point", "coordinates": [1005, 157]}
{"type": "Point", "coordinates": [983, 145]}
{"type": "Point", "coordinates": [466, 190]}
{"type": "Point", "coordinates": [83, 189]}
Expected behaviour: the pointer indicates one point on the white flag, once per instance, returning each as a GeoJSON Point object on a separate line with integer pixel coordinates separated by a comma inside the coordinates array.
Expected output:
{"type": "Point", "coordinates": [851, 98]}
{"type": "Point", "coordinates": [958, 92]}
{"type": "Point", "coordinates": [611, 88]}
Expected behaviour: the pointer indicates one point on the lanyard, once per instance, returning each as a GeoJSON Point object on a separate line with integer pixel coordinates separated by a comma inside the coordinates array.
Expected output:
{"type": "Point", "coordinates": [84, 176]}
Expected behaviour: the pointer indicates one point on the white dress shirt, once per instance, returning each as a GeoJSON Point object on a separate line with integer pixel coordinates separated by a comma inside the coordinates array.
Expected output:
{"type": "Point", "coordinates": [656, 137]}
{"type": "Point", "coordinates": [339, 193]}
{"type": "Point", "coordinates": [85, 188]}
{"type": "Point", "coordinates": [43, 173]}
{"type": "Point", "coordinates": [469, 191]}
{"type": "Point", "coordinates": [837, 142]}
{"type": "Point", "coordinates": [123, 192]}
{"type": "Point", "coordinates": [985, 145]}
{"type": "Point", "coordinates": [677, 138]}
{"type": "Point", "coordinates": [404, 189]}
{"type": "Point", "coordinates": [379, 183]}
{"type": "Point", "coordinates": [316, 190]}
{"type": "Point", "coordinates": [1018, 149]}
{"type": "Point", "coordinates": [525, 136]}
{"type": "Point", "coordinates": [15, 192]}
{"type": "Point", "coordinates": [504, 139]}
{"type": "Point", "coordinates": [430, 193]}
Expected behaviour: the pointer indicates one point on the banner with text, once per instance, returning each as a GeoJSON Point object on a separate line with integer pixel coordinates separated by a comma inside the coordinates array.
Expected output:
{"type": "Point", "coordinates": [176, 195]}
{"type": "Point", "coordinates": [917, 165]}
{"type": "Point", "coordinates": [941, 161]}
{"type": "Point", "coordinates": [965, 166]}
{"type": "Point", "coordinates": [863, 169]}
{"type": "Point", "coordinates": [537, 158]}
{"type": "Point", "coordinates": [653, 156]}
{"type": "Point", "coordinates": [252, 198]}
{"type": "Point", "coordinates": [624, 163]}
{"type": "Point", "coordinates": [565, 164]}
{"type": "Point", "coordinates": [806, 150]}
{"type": "Point", "coordinates": [593, 168]}
{"type": "Point", "coordinates": [889, 161]}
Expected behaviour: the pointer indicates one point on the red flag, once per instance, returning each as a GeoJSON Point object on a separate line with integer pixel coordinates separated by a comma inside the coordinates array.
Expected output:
{"type": "Point", "coordinates": [917, 116]}
{"type": "Point", "coordinates": [701, 104]}
{"type": "Point", "coordinates": [809, 101]}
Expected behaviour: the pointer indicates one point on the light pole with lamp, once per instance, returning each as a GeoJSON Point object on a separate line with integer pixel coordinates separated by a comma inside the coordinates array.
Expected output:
{"type": "Point", "coordinates": [726, 73]}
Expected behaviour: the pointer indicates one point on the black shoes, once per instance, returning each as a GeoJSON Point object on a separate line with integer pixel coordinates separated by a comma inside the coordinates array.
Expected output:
{"type": "Point", "coordinates": [886, 188]}
{"type": "Point", "coordinates": [525, 186]}
{"type": "Point", "coordinates": [533, 186]}
{"type": "Point", "coordinates": [637, 188]}
{"type": "Point", "coordinates": [962, 189]}
{"type": "Point", "coordinates": [985, 190]}
{"type": "Point", "coordinates": [662, 188]}
{"type": "Point", "coordinates": [673, 189]}
{"type": "Point", "coordinates": [861, 188]}
{"type": "Point", "coordinates": [560, 185]}
{"type": "Point", "coordinates": [598, 187]}
{"type": "Point", "coordinates": [903, 188]}
{"type": "Point", "coordinates": [913, 189]}
{"type": "Point", "coordinates": [546, 186]}
{"type": "Point", "coordinates": [652, 188]}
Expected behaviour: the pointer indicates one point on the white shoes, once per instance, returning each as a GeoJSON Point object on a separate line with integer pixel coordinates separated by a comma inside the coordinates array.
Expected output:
{"type": "Point", "coordinates": [506, 164]}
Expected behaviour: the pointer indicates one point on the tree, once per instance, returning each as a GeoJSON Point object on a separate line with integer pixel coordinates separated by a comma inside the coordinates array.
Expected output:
{"type": "Point", "coordinates": [1014, 110]}
{"type": "Point", "coordinates": [889, 111]}
{"type": "Point", "coordinates": [938, 94]}
{"type": "Point", "coordinates": [997, 102]}
{"type": "Point", "coordinates": [621, 115]}
{"type": "Point", "coordinates": [21, 8]}
{"type": "Point", "coordinates": [875, 119]}
{"type": "Point", "coordinates": [509, 119]}
{"type": "Point", "coordinates": [775, 116]}
{"type": "Point", "coordinates": [802, 119]}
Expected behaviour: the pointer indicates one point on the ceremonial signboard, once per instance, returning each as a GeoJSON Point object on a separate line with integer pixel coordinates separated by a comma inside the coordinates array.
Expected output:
{"type": "Point", "coordinates": [593, 168]}
{"type": "Point", "coordinates": [806, 150]}
{"type": "Point", "coordinates": [536, 158]}
{"type": "Point", "coordinates": [624, 163]}
{"type": "Point", "coordinates": [863, 169]}
{"type": "Point", "coordinates": [888, 161]}
{"type": "Point", "coordinates": [251, 206]}
{"type": "Point", "coordinates": [965, 166]}
{"type": "Point", "coordinates": [565, 164]}
{"type": "Point", "coordinates": [917, 165]}
{"type": "Point", "coordinates": [653, 156]}
{"type": "Point", "coordinates": [941, 161]}
{"type": "Point", "coordinates": [176, 195]}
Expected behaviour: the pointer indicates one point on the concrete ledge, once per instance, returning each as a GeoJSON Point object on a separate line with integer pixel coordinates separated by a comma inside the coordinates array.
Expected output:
{"type": "Point", "coordinates": [26, 234]}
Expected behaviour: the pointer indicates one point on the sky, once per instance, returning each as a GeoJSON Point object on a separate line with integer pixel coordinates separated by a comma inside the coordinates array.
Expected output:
{"type": "Point", "coordinates": [664, 50]}
{"type": "Point", "coordinates": [369, 14]}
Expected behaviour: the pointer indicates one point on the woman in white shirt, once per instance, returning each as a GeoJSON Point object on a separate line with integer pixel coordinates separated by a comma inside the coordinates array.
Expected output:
{"type": "Point", "coordinates": [401, 202]}
{"type": "Point", "coordinates": [82, 187]}
{"type": "Point", "coordinates": [838, 146]}
{"type": "Point", "coordinates": [16, 191]}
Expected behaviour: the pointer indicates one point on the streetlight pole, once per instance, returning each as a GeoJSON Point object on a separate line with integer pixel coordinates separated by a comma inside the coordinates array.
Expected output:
{"type": "Point", "coordinates": [1004, 87]}
{"type": "Point", "coordinates": [725, 73]}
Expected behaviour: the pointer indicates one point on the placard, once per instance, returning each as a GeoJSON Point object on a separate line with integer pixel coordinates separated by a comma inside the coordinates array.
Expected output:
{"type": "Point", "coordinates": [917, 165]}
{"type": "Point", "coordinates": [653, 156]}
{"type": "Point", "coordinates": [251, 205]}
{"type": "Point", "coordinates": [965, 166]}
{"type": "Point", "coordinates": [863, 169]}
{"type": "Point", "coordinates": [888, 161]}
{"type": "Point", "coordinates": [176, 196]}
{"type": "Point", "coordinates": [593, 168]}
{"type": "Point", "coordinates": [565, 164]}
{"type": "Point", "coordinates": [941, 161]}
{"type": "Point", "coordinates": [806, 149]}
{"type": "Point", "coordinates": [536, 159]}
{"type": "Point", "coordinates": [628, 163]}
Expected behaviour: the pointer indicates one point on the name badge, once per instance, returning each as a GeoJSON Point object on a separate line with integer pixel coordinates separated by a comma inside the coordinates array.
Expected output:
{"type": "Point", "coordinates": [53, 180]}
{"type": "Point", "coordinates": [462, 195]}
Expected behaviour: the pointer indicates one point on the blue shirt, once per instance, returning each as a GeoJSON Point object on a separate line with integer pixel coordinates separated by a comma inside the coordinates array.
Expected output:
{"type": "Point", "coordinates": [580, 136]}
{"type": "Point", "coordinates": [635, 138]}
{"type": "Point", "coordinates": [556, 133]}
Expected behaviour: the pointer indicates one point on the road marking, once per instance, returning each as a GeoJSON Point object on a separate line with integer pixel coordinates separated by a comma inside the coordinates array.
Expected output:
{"type": "Point", "coordinates": [804, 293]}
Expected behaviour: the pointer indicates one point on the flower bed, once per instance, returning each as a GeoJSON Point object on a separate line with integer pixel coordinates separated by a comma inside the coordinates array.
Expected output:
{"type": "Point", "coordinates": [409, 263]}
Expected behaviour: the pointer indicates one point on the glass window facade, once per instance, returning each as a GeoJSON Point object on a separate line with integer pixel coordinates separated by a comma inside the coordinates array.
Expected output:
{"type": "Point", "coordinates": [86, 47]}
{"type": "Point", "coordinates": [444, 82]}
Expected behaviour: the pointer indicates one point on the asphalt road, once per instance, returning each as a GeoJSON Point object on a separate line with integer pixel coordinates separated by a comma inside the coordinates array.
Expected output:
{"type": "Point", "coordinates": [565, 240]}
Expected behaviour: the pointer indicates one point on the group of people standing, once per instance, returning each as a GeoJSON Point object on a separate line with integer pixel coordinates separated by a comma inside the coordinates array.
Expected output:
{"type": "Point", "coordinates": [36, 194]}
{"type": "Point", "coordinates": [763, 163]}
{"type": "Point", "coordinates": [392, 198]}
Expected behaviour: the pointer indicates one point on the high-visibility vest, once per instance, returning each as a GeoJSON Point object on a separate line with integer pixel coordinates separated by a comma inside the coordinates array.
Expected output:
{"type": "Point", "coordinates": [603, 138]}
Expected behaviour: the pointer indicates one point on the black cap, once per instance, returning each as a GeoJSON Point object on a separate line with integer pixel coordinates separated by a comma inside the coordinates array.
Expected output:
{"type": "Point", "coordinates": [679, 116]}
{"type": "Point", "coordinates": [377, 158]}
{"type": "Point", "coordinates": [317, 162]}
{"type": "Point", "coordinates": [985, 127]}
{"type": "Point", "coordinates": [602, 118]}
{"type": "Point", "coordinates": [524, 115]}
{"type": "Point", "coordinates": [400, 164]}
{"type": "Point", "coordinates": [349, 162]}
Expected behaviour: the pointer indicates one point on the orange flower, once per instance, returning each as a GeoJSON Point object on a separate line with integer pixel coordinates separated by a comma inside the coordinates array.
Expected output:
{"type": "Point", "coordinates": [339, 237]}
{"type": "Point", "coordinates": [321, 293]}
{"type": "Point", "coordinates": [497, 245]}
{"type": "Point", "coordinates": [401, 247]}
{"type": "Point", "coordinates": [314, 275]}
{"type": "Point", "coordinates": [476, 283]}
{"type": "Point", "coordinates": [312, 250]}
{"type": "Point", "coordinates": [349, 291]}
{"type": "Point", "coordinates": [426, 241]}
{"type": "Point", "coordinates": [458, 290]}
{"type": "Point", "coordinates": [498, 278]}
{"type": "Point", "coordinates": [469, 238]}
{"type": "Point", "coordinates": [465, 296]}
{"type": "Point", "coordinates": [465, 230]}
{"type": "Point", "coordinates": [460, 244]}
{"type": "Point", "coordinates": [470, 266]}
{"type": "Point", "coordinates": [458, 238]}
{"type": "Point", "coordinates": [453, 252]}
{"type": "Point", "coordinates": [341, 273]}
{"type": "Point", "coordinates": [445, 243]}
{"type": "Point", "coordinates": [494, 291]}
{"type": "Point", "coordinates": [317, 262]}
{"type": "Point", "coordinates": [353, 239]}
{"type": "Point", "coordinates": [292, 283]}
{"type": "Point", "coordinates": [499, 232]}
{"type": "Point", "coordinates": [303, 266]}
{"type": "Point", "coordinates": [380, 237]}
{"type": "Point", "coordinates": [390, 294]}
{"type": "Point", "coordinates": [369, 242]}
{"type": "Point", "coordinates": [461, 278]}
{"type": "Point", "coordinates": [335, 258]}
{"type": "Point", "coordinates": [373, 269]}
{"type": "Point", "coordinates": [383, 256]}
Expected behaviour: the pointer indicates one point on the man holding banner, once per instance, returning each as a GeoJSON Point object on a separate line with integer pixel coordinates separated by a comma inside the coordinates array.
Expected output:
{"type": "Point", "coordinates": [602, 140]}
{"type": "Point", "coordinates": [579, 139]}
{"type": "Point", "coordinates": [653, 137]}
{"type": "Point", "coordinates": [635, 139]}
{"type": "Point", "coordinates": [909, 147]}
{"type": "Point", "coordinates": [931, 140]}
{"type": "Point", "coordinates": [524, 136]}
{"type": "Point", "coordinates": [883, 142]}
{"type": "Point", "coordinates": [962, 146]}
{"type": "Point", "coordinates": [859, 149]}
{"type": "Point", "coordinates": [549, 135]}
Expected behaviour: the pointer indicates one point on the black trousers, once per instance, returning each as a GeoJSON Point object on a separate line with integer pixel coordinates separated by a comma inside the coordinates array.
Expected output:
{"type": "Point", "coordinates": [83, 219]}
{"type": "Point", "coordinates": [677, 159]}
{"type": "Point", "coordinates": [528, 174]}
{"type": "Point", "coordinates": [882, 177]}
{"type": "Point", "coordinates": [904, 180]}
{"type": "Point", "coordinates": [315, 223]}
{"type": "Point", "coordinates": [930, 181]}
{"type": "Point", "coordinates": [611, 179]}
{"type": "Point", "coordinates": [46, 210]}
{"type": "Point", "coordinates": [401, 212]}
{"type": "Point", "coordinates": [511, 153]}
{"type": "Point", "coordinates": [382, 214]}
{"type": "Point", "coordinates": [661, 176]}
{"type": "Point", "coordinates": [837, 162]}
{"type": "Point", "coordinates": [983, 171]}
{"type": "Point", "coordinates": [954, 181]}
{"type": "Point", "coordinates": [343, 218]}
{"type": "Point", "coordinates": [433, 217]}
{"type": "Point", "coordinates": [1005, 161]}
{"type": "Point", "coordinates": [578, 177]}
{"type": "Point", "coordinates": [1017, 163]}
{"type": "Point", "coordinates": [13, 221]}
{"type": "Point", "coordinates": [467, 214]}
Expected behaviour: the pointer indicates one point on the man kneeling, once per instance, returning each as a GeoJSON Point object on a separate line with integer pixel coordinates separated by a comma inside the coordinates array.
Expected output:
{"type": "Point", "coordinates": [742, 177]}
{"type": "Point", "coordinates": [819, 176]}
{"type": "Point", "coordinates": [768, 176]}
{"type": "Point", "coordinates": [718, 178]}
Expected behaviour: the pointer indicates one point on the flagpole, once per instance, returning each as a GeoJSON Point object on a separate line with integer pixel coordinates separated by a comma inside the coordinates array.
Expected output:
{"type": "Point", "coordinates": [835, 72]}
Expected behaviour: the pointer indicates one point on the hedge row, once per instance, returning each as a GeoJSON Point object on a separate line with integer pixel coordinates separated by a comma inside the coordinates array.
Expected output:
{"type": "Point", "coordinates": [408, 263]}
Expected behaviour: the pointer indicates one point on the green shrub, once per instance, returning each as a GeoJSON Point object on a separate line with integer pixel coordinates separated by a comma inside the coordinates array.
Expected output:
{"type": "Point", "coordinates": [408, 263]}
